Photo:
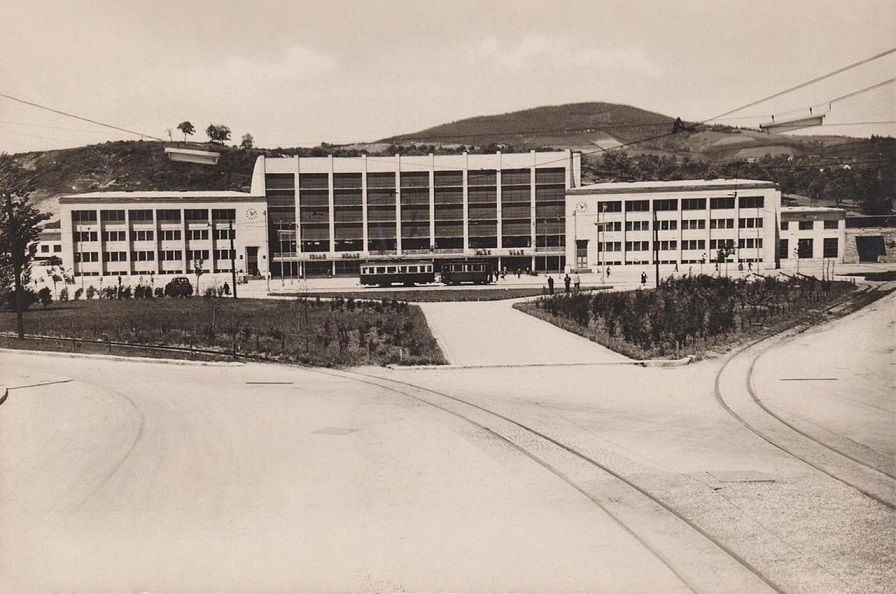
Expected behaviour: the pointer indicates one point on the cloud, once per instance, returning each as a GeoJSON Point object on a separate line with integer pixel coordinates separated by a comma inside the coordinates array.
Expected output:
{"type": "Point", "coordinates": [295, 64]}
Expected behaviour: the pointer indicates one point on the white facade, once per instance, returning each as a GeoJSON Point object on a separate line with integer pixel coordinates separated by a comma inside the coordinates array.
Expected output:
{"type": "Point", "coordinates": [163, 233]}
{"type": "Point", "coordinates": [677, 222]}
{"type": "Point", "coordinates": [811, 233]}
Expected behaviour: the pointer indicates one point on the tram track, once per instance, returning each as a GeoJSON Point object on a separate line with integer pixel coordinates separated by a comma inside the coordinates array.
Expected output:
{"type": "Point", "coordinates": [678, 542]}
{"type": "Point", "coordinates": [812, 450]}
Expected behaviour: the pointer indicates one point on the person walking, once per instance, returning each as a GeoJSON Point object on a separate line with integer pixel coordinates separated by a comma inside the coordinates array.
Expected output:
{"type": "Point", "coordinates": [566, 281]}
{"type": "Point", "coordinates": [577, 282]}
{"type": "Point", "coordinates": [550, 285]}
{"type": "Point", "coordinates": [608, 272]}
{"type": "Point", "coordinates": [643, 279]}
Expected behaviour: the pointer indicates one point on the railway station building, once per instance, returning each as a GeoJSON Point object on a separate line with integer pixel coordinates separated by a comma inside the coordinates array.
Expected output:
{"type": "Point", "coordinates": [324, 216]}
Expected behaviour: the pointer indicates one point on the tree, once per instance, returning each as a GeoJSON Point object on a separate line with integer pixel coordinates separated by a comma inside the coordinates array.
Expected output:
{"type": "Point", "coordinates": [248, 142]}
{"type": "Point", "coordinates": [218, 134]}
{"type": "Point", "coordinates": [19, 229]}
{"type": "Point", "coordinates": [198, 270]}
{"type": "Point", "coordinates": [187, 128]}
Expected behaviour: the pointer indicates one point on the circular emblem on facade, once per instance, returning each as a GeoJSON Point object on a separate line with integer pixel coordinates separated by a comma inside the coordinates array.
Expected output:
{"type": "Point", "coordinates": [581, 206]}
{"type": "Point", "coordinates": [251, 214]}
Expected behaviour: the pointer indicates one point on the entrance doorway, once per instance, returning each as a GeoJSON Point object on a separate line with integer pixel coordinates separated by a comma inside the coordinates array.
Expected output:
{"type": "Point", "coordinates": [252, 260]}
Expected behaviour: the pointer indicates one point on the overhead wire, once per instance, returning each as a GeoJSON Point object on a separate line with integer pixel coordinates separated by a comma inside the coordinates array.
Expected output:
{"type": "Point", "coordinates": [77, 117]}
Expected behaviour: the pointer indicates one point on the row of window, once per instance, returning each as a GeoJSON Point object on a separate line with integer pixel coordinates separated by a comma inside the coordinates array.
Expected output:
{"type": "Point", "coordinates": [686, 204]}
{"type": "Point", "coordinates": [146, 215]}
{"type": "Point", "coordinates": [809, 225]}
{"type": "Point", "coordinates": [804, 248]}
{"type": "Point", "coordinates": [149, 256]}
{"type": "Point", "coordinates": [146, 235]}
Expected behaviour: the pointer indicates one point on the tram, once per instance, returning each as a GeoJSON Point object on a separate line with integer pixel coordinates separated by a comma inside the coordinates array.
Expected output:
{"type": "Point", "coordinates": [389, 273]}
{"type": "Point", "coordinates": [464, 271]}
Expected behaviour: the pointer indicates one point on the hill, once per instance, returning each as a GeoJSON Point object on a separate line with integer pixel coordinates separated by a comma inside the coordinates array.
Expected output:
{"type": "Point", "coordinates": [800, 164]}
{"type": "Point", "coordinates": [573, 125]}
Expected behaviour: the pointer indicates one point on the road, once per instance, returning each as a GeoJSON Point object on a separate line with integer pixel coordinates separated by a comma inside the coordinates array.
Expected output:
{"type": "Point", "coordinates": [146, 476]}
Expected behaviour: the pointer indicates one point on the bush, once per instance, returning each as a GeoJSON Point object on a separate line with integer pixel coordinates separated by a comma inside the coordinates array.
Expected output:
{"type": "Point", "coordinates": [78, 294]}
{"type": "Point", "coordinates": [63, 294]}
{"type": "Point", "coordinates": [29, 298]}
{"type": "Point", "coordinates": [91, 292]}
{"type": "Point", "coordinates": [45, 296]}
{"type": "Point", "coordinates": [159, 292]}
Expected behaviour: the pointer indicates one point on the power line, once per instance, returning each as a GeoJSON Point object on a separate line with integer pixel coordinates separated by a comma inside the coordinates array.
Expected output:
{"type": "Point", "coordinates": [77, 117]}
{"type": "Point", "coordinates": [805, 84]}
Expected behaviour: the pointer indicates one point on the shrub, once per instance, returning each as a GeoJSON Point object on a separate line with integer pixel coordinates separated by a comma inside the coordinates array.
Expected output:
{"type": "Point", "coordinates": [45, 296]}
{"type": "Point", "coordinates": [79, 292]}
{"type": "Point", "coordinates": [91, 292]}
{"type": "Point", "coordinates": [63, 294]}
{"type": "Point", "coordinates": [29, 298]}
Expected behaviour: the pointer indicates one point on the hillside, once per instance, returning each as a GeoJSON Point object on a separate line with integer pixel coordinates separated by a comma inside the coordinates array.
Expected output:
{"type": "Point", "coordinates": [800, 164]}
{"type": "Point", "coordinates": [573, 125]}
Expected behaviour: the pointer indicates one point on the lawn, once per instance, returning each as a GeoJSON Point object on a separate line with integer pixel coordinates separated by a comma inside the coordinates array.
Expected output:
{"type": "Point", "coordinates": [310, 331]}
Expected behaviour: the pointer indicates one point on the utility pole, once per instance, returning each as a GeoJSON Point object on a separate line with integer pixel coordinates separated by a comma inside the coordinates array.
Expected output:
{"type": "Point", "coordinates": [656, 246]}
{"type": "Point", "coordinates": [232, 259]}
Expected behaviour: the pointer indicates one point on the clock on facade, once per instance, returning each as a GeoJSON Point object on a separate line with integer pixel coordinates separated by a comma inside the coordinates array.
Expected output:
{"type": "Point", "coordinates": [581, 207]}
{"type": "Point", "coordinates": [251, 214]}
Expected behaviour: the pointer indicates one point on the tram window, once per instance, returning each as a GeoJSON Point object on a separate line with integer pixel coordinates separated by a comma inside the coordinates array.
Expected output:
{"type": "Point", "coordinates": [412, 269]}
{"type": "Point", "coordinates": [429, 268]}
{"type": "Point", "coordinates": [380, 269]}
{"type": "Point", "coordinates": [390, 269]}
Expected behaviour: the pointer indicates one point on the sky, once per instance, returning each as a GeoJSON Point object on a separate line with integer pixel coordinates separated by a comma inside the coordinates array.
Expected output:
{"type": "Point", "coordinates": [300, 72]}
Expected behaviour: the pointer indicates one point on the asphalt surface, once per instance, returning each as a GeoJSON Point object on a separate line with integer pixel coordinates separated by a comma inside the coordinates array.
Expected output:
{"type": "Point", "coordinates": [146, 476]}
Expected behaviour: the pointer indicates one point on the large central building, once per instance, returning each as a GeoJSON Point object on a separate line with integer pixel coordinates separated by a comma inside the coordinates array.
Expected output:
{"type": "Point", "coordinates": [327, 214]}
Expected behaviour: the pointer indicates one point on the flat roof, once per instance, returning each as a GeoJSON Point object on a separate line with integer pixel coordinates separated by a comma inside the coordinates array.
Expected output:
{"type": "Point", "coordinates": [682, 185]}
{"type": "Point", "coordinates": [820, 209]}
{"type": "Point", "coordinates": [152, 196]}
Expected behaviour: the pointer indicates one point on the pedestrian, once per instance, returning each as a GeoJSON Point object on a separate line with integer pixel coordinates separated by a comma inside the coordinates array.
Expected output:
{"type": "Point", "coordinates": [550, 285]}
{"type": "Point", "coordinates": [577, 281]}
{"type": "Point", "coordinates": [518, 271]}
{"type": "Point", "coordinates": [676, 267]}
{"type": "Point", "coordinates": [226, 289]}
{"type": "Point", "coordinates": [566, 281]}
{"type": "Point", "coordinates": [749, 266]}
{"type": "Point", "coordinates": [643, 279]}
{"type": "Point", "coordinates": [690, 268]}
{"type": "Point", "coordinates": [608, 272]}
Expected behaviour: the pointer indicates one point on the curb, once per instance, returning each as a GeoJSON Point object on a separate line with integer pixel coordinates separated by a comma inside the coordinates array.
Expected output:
{"type": "Point", "coordinates": [5, 395]}
{"type": "Point", "coordinates": [647, 363]}
{"type": "Point", "coordinates": [121, 358]}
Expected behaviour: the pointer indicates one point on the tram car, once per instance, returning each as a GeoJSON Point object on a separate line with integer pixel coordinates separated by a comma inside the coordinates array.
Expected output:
{"type": "Point", "coordinates": [384, 274]}
{"type": "Point", "coordinates": [464, 271]}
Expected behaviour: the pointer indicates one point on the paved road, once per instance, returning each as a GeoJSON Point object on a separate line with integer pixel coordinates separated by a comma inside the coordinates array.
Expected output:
{"type": "Point", "coordinates": [123, 476]}
{"type": "Point", "coordinates": [493, 333]}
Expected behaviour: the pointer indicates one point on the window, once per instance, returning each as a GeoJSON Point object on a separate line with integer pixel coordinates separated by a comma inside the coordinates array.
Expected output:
{"type": "Point", "coordinates": [806, 225]}
{"type": "Point", "coordinates": [197, 254]}
{"type": "Point", "coordinates": [223, 255]}
{"type": "Point", "coordinates": [752, 201]}
{"type": "Point", "coordinates": [81, 236]}
{"type": "Point", "coordinates": [831, 224]}
{"type": "Point", "coordinates": [115, 256]}
{"type": "Point", "coordinates": [57, 248]}
{"type": "Point", "coordinates": [721, 224]}
{"type": "Point", "coordinates": [83, 216]}
{"type": "Point", "coordinates": [749, 223]}
{"type": "Point", "coordinates": [114, 236]}
{"type": "Point", "coordinates": [720, 203]}
{"type": "Point", "coordinates": [197, 234]}
{"type": "Point", "coordinates": [45, 249]}
{"type": "Point", "coordinates": [693, 244]}
{"type": "Point", "coordinates": [784, 225]}
{"type": "Point", "coordinates": [171, 235]}
{"type": "Point", "coordinates": [637, 225]}
{"type": "Point", "coordinates": [749, 242]}
{"type": "Point", "coordinates": [112, 215]}
{"type": "Point", "coordinates": [693, 204]}
{"type": "Point", "coordinates": [196, 215]}
{"type": "Point", "coordinates": [637, 206]}
{"type": "Point", "coordinates": [225, 233]}
{"type": "Point", "coordinates": [830, 247]}
{"type": "Point", "coordinates": [169, 216]}
{"type": "Point", "coordinates": [693, 224]}
{"type": "Point", "coordinates": [637, 246]}
{"type": "Point", "coordinates": [783, 249]}
{"type": "Point", "coordinates": [140, 215]}
{"type": "Point", "coordinates": [666, 204]}
{"type": "Point", "coordinates": [224, 215]}
{"type": "Point", "coordinates": [143, 235]}
{"type": "Point", "coordinates": [804, 248]}
{"type": "Point", "coordinates": [170, 255]}
{"type": "Point", "coordinates": [667, 225]}
{"type": "Point", "coordinates": [610, 206]}
{"type": "Point", "coordinates": [668, 245]}
{"type": "Point", "coordinates": [87, 257]}
{"type": "Point", "coordinates": [143, 256]}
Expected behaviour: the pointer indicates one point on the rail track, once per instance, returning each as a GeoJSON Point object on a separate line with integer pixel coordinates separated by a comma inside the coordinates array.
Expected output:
{"type": "Point", "coordinates": [866, 476]}
{"type": "Point", "coordinates": [701, 561]}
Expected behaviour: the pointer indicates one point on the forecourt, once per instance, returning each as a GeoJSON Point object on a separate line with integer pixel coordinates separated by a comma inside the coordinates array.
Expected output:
{"type": "Point", "coordinates": [144, 476]}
